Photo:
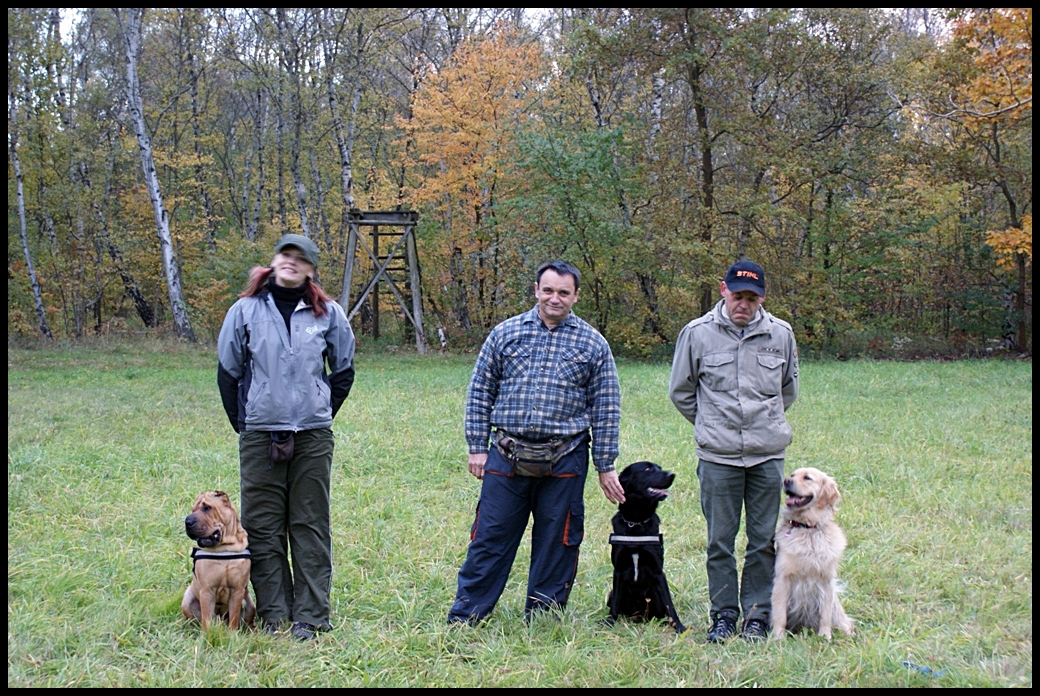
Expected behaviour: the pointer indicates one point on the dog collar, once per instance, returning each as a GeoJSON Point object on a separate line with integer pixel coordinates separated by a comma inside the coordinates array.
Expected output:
{"type": "Point", "coordinates": [635, 524]}
{"type": "Point", "coordinates": [801, 525]}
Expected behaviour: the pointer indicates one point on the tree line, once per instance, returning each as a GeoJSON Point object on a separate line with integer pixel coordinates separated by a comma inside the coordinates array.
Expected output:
{"type": "Point", "coordinates": [877, 163]}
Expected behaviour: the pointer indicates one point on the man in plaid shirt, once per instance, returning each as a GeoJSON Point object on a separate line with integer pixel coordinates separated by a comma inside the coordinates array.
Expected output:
{"type": "Point", "coordinates": [543, 378]}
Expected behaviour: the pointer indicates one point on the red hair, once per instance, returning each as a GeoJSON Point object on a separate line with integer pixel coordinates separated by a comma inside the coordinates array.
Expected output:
{"type": "Point", "coordinates": [312, 294]}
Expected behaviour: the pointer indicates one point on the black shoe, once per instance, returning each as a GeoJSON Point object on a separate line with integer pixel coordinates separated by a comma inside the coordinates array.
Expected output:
{"type": "Point", "coordinates": [755, 631]}
{"type": "Point", "coordinates": [723, 628]}
{"type": "Point", "coordinates": [303, 632]}
{"type": "Point", "coordinates": [270, 628]}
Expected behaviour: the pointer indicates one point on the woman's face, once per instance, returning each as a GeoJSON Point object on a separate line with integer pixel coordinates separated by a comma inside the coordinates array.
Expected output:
{"type": "Point", "coordinates": [291, 268]}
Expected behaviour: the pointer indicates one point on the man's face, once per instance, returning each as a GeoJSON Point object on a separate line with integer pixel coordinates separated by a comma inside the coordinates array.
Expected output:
{"type": "Point", "coordinates": [741, 306]}
{"type": "Point", "coordinates": [556, 295]}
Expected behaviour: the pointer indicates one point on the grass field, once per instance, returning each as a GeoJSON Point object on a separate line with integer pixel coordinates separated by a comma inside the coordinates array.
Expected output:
{"type": "Point", "coordinates": [108, 446]}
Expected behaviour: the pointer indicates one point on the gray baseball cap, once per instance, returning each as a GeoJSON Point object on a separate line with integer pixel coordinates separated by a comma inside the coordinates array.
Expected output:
{"type": "Point", "coordinates": [307, 246]}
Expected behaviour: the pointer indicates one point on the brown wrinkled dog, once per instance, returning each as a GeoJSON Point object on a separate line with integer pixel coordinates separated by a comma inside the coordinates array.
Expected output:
{"type": "Point", "coordinates": [809, 545]}
{"type": "Point", "coordinates": [220, 578]}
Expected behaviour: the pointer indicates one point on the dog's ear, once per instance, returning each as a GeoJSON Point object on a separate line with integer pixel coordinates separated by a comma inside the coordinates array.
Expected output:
{"type": "Point", "coordinates": [829, 495]}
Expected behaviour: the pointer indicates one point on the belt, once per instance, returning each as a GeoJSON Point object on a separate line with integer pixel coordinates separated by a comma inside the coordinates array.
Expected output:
{"type": "Point", "coordinates": [551, 441]}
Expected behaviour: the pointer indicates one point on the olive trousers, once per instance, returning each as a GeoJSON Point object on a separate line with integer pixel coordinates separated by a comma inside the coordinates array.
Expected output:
{"type": "Point", "coordinates": [725, 489]}
{"type": "Point", "coordinates": [285, 511]}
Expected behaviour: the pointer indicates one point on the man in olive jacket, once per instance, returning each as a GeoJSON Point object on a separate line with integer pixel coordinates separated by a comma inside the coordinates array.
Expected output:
{"type": "Point", "coordinates": [734, 373]}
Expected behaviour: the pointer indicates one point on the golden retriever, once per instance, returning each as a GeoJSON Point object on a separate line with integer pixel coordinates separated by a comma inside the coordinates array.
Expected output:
{"type": "Point", "coordinates": [809, 545]}
{"type": "Point", "coordinates": [221, 563]}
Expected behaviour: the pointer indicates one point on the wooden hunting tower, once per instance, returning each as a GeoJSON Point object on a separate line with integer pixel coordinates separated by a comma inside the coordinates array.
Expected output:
{"type": "Point", "coordinates": [390, 229]}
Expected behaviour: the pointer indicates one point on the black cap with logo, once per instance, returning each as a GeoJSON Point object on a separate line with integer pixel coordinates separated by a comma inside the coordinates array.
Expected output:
{"type": "Point", "coordinates": [746, 275]}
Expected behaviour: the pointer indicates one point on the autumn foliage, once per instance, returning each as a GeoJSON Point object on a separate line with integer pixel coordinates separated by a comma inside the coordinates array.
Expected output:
{"type": "Point", "coordinates": [877, 163]}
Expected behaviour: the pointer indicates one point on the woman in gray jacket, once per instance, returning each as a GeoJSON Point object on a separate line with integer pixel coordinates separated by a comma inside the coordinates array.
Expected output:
{"type": "Point", "coordinates": [273, 349]}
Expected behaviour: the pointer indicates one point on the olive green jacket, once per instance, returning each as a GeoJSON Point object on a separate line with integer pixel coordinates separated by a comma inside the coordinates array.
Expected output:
{"type": "Point", "coordinates": [735, 390]}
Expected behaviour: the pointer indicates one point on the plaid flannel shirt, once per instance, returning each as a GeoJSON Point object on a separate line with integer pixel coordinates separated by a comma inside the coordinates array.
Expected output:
{"type": "Point", "coordinates": [540, 384]}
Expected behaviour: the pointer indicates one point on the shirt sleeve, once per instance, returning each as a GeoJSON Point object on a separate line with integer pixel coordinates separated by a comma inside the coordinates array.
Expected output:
{"type": "Point", "coordinates": [605, 402]}
{"type": "Point", "coordinates": [481, 395]}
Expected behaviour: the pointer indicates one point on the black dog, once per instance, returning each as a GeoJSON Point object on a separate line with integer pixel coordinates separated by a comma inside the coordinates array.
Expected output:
{"type": "Point", "coordinates": [640, 589]}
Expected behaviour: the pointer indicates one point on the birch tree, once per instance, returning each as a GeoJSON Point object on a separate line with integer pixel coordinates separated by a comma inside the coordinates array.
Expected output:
{"type": "Point", "coordinates": [12, 137]}
{"type": "Point", "coordinates": [130, 27]}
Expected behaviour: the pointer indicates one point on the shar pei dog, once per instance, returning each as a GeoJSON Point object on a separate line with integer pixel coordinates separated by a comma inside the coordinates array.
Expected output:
{"type": "Point", "coordinates": [220, 574]}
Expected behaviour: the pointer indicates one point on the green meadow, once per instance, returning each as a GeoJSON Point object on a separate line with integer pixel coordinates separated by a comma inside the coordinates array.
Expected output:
{"type": "Point", "coordinates": [109, 445]}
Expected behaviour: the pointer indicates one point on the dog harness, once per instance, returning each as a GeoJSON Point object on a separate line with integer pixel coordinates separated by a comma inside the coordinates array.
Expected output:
{"type": "Point", "coordinates": [625, 540]}
{"type": "Point", "coordinates": [197, 553]}
{"type": "Point", "coordinates": [651, 540]}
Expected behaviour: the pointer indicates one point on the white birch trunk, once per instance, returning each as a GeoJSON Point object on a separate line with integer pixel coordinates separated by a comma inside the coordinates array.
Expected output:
{"type": "Point", "coordinates": [131, 29]}
{"type": "Point", "coordinates": [345, 146]}
{"type": "Point", "coordinates": [41, 314]}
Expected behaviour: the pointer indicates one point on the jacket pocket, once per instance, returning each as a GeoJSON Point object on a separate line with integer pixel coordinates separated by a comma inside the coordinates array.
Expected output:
{"type": "Point", "coordinates": [324, 392]}
{"type": "Point", "coordinates": [720, 371]}
{"type": "Point", "coordinates": [255, 400]}
{"type": "Point", "coordinates": [714, 432]}
{"type": "Point", "coordinates": [768, 373]}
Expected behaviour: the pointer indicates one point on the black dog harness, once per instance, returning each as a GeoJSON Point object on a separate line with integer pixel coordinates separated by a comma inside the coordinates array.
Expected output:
{"type": "Point", "coordinates": [197, 553]}
{"type": "Point", "coordinates": [625, 540]}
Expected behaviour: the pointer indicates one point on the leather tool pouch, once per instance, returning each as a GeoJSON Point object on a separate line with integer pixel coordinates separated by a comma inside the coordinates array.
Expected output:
{"type": "Point", "coordinates": [281, 446]}
{"type": "Point", "coordinates": [534, 459]}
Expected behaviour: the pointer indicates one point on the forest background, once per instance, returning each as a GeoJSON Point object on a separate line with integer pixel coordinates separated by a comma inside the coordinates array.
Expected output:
{"type": "Point", "coordinates": [877, 163]}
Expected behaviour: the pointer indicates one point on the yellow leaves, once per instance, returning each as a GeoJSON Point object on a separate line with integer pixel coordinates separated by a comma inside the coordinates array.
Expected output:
{"type": "Point", "coordinates": [185, 160]}
{"type": "Point", "coordinates": [462, 122]}
{"type": "Point", "coordinates": [1011, 242]}
{"type": "Point", "coordinates": [1002, 42]}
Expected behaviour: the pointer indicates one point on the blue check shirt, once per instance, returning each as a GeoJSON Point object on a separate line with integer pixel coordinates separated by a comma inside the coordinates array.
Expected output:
{"type": "Point", "coordinates": [539, 384]}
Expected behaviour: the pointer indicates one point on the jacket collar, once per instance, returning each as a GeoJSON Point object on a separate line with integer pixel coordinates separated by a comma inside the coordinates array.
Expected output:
{"type": "Point", "coordinates": [759, 325]}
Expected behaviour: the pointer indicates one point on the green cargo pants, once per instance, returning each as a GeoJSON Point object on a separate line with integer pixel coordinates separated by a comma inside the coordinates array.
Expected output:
{"type": "Point", "coordinates": [285, 510]}
{"type": "Point", "coordinates": [725, 489]}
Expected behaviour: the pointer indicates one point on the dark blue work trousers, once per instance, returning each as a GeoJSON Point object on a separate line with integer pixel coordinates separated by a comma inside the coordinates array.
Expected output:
{"type": "Point", "coordinates": [506, 503]}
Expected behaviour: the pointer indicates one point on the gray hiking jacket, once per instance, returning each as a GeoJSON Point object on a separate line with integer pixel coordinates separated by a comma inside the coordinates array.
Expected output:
{"type": "Point", "coordinates": [269, 382]}
{"type": "Point", "coordinates": [735, 390]}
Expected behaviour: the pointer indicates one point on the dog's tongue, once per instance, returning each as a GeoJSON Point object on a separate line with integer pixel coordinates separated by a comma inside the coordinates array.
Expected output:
{"type": "Point", "coordinates": [658, 492]}
{"type": "Point", "coordinates": [795, 501]}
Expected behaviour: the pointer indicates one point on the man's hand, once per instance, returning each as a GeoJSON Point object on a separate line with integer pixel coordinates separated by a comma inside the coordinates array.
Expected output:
{"type": "Point", "coordinates": [608, 483]}
{"type": "Point", "coordinates": [476, 464]}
